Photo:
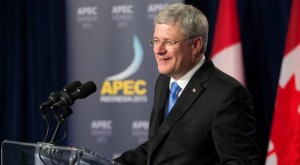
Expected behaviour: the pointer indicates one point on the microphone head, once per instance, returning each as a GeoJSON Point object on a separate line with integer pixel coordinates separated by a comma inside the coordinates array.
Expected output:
{"type": "Point", "coordinates": [71, 87]}
{"type": "Point", "coordinates": [86, 89]}
{"type": "Point", "coordinates": [67, 99]}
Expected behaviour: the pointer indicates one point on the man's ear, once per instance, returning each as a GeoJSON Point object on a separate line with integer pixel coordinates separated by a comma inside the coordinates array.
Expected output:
{"type": "Point", "coordinates": [197, 45]}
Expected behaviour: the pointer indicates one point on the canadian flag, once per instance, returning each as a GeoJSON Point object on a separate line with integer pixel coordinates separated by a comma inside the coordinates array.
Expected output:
{"type": "Point", "coordinates": [227, 47]}
{"type": "Point", "coordinates": [284, 144]}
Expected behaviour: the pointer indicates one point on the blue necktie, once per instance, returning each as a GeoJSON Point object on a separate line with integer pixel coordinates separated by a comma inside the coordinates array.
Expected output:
{"type": "Point", "coordinates": [175, 88]}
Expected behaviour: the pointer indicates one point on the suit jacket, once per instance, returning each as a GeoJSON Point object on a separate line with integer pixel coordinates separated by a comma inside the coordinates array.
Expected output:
{"type": "Point", "coordinates": [212, 123]}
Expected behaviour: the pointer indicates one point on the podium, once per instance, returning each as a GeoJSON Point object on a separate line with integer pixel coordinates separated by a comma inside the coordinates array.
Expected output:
{"type": "Point", "coordinates": [21, 153]}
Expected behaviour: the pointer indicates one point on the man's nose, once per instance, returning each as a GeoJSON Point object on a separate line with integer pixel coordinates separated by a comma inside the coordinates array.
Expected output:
{"type": "Point", "coordinates": [159, 48]}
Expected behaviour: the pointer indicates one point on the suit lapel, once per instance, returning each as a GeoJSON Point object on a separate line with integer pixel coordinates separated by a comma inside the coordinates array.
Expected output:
{"type": "Point", "coordinates": [161, 99]}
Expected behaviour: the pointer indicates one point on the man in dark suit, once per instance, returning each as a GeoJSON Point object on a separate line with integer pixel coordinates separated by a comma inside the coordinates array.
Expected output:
{"type": "Point", "coordinates": [212, 121]}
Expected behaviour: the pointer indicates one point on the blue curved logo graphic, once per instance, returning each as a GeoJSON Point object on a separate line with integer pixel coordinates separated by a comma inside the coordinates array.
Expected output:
{"type": "Point", "coordinates": [135, 64]}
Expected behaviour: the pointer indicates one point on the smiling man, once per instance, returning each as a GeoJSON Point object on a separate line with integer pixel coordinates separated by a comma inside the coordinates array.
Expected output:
{"type": "Point", "coordinates": [200, 115]}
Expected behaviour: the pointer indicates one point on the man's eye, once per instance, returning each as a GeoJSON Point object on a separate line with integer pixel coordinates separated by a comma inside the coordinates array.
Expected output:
{"type": "Point", "coordinates": [169, 43]}
{"type": "Point", "coordinates": [156, 41]}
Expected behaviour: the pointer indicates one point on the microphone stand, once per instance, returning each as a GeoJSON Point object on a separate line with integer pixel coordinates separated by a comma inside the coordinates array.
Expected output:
{"type": "Point", "coordinates": [42, 109]}
{"type": "Point", "coordinates": [60, 121]}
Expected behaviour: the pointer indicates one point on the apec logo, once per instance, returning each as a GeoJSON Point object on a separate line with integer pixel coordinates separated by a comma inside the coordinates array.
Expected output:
{"type": "Point", "coordinates": [139, 130]}
{"type": "Point", "coordinates": [122, 14]}
{"type": "Point", "coordinates": [122, 9]}
{"type": "Point", "coordinates": [118, 89]}
{"type": "Point", "coordinates": [101, 129]}
{"type": "Point", "coordinates": [102, 124]}
{"type": "Point", "coordinates": [126, 87]}
{"type": "Point", "coordinates": [154, 8]}
{"type": "Point", "coordinates": [87, 10]}
{"type": "Point", "coordinates": [140, 125]}
{"type": "Point", "coordinates": [87, 16]}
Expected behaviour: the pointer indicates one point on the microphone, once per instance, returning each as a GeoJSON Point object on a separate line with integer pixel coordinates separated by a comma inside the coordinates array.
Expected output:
{"type": "Point", "coordinates": [68, 99]}
{"type": "Point", "coordinates": [55, 96]}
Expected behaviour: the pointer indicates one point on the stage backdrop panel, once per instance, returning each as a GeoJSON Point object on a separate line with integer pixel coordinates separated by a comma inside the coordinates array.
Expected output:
{"type": "Point", "coordinates": [108, 44]}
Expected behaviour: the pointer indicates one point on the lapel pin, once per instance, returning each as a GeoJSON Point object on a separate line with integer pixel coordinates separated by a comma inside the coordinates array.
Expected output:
{"type": "Point", "coordinates": [194, 90]}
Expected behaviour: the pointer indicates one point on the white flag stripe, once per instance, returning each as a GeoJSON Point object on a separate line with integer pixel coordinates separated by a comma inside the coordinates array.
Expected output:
{"type": "Point", "coordinates": [271, 158]}
{"type": "Point", "coordinates": [230, 61]}
{"type": "Point", "coordinates": [290, 67]}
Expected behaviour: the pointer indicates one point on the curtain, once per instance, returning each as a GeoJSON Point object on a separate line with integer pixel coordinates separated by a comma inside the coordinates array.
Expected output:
{"type": "Point", "coordinates": [32, 65]}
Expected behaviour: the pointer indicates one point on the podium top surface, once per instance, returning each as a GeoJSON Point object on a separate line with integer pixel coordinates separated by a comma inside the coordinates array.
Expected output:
{"type": "Point", "coordinates": [19, 153]}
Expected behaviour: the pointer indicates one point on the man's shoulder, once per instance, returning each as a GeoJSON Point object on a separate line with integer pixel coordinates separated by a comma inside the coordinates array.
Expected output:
{"type": "Point", "coordinates": [224, 77]}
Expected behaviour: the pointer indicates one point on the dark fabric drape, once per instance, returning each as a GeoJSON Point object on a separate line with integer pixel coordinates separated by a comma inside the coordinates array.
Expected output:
{"type": "Point", "coordinates": [33, 52]}
{"type": "Point", "coordinates": [263, 27]}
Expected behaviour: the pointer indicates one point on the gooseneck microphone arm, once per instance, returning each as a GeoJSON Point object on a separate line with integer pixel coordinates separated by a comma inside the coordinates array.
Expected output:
{"type": "Point", "coordinates": [68, 111]}
{"type": "Point", "coordinates": [56, 132]}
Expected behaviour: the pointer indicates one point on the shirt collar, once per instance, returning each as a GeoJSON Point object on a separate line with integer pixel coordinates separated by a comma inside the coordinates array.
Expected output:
{"type": "Point", "coordinates": [183, 81]}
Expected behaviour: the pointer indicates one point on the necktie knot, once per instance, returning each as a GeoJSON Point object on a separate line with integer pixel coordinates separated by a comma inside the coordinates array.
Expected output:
{"type": "Point", "coordinates": [175, 88]}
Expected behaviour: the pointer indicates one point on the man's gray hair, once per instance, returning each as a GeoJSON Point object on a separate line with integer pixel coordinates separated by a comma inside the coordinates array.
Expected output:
{"type": "Point", "coordinates": [192, 22]}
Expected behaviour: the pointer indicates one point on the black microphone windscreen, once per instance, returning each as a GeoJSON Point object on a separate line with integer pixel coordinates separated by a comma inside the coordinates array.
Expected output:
{"type": "Point", "coordinates": [86, 89]}
{"type": "Point", "coordinates": [71, 87]}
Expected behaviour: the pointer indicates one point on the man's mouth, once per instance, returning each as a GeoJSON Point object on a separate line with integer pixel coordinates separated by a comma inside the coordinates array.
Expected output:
{"type": "Point", "coordinates": [164, 59]}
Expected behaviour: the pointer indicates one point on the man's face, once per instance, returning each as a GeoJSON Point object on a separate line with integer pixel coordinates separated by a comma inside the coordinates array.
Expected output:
{"type": "Point", "coordinates": [177, 60]}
